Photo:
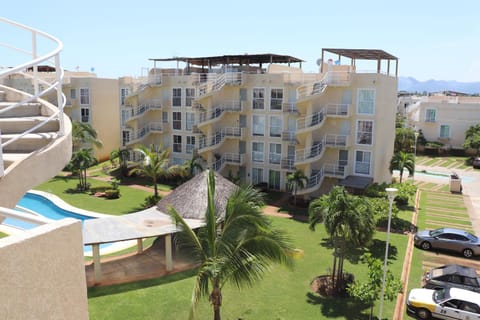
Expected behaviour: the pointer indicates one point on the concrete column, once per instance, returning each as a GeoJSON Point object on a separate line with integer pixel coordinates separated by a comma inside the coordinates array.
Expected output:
{"type": "Point", "coordinates": [139, 245]}
{"type": "Point", "coordinates": [97, 266]}
{"type": "Point", "coordinates": [168, 252]}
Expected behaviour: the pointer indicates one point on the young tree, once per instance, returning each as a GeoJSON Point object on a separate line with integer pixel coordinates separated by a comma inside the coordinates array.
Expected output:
{"type": "Point", "coordinates": [369, 291]}
{"type": "Point", "coordinates": [122, 155]}
{"type": "Point", "coordinates": [83, 133]}
{"type": "Point", "coordinates": [472, 138]}
{"type": "Point", "coordinates": [347, 219]}
{"type": "Point", "coordinates": [238, 250]}
{"type": "Point", "coordinates": [193, 166]}
{"type": "Point", "coordinates": [401, 161]}
{"type": "Point", "coordinates": [296, 180]}
{"type": "Point", "coordinates": [155, 165]}
{"type": "Point", "coordinates": [80, 162]}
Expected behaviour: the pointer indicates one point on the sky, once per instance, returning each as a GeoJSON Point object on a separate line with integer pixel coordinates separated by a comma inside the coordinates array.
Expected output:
{"type": "Point", "coordinates": [432, 39]}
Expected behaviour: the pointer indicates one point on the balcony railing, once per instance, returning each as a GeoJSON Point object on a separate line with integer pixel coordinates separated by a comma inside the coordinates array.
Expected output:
{"type": "Point", "coordinates": [214, 141]}
{"type": "Point", "coordinates": [310, 121]}
{"type": "Point", "coordinates": [141, 133]}
{"type": "Point", "coordinates": [135, 112]}
{"type": "Point", "coordinates": [228, 78]}
{"type": "Point", "coordinates": [216, 113]}
{"type": "Point", "coordinates": [336, 140]}
{"type": "Point", "coordinates": [228, 158]}
{"type": "Point", "coordinates": [331, 78]}
{"type": "Point", "coordinates": [312, 154]}
{"type": "Point", "coordinates": [289, 107]}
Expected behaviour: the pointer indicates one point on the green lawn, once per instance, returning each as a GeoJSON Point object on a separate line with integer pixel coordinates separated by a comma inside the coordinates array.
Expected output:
{"type": "Point", "coordinates": [282, 294]}
{"type": "Point", "coordinates": [3, 235]}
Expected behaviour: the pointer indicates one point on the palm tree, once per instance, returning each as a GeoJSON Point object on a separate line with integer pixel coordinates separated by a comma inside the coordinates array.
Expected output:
{"type": "Point", "coordinates": [80, 162]}
{"type": "Point", "coordinates": [347, 219]}
{"type": "Point", "coordinates": [155, 165]}
{"type": "Point", "coordinates": [296, 180]}
{"type": "Point", "coordinates": [193, 166]}
{"type": "Point", "coordinates": [83, 133]}
{"type": "Point", "coordinates": [121, 154]}
{"type": "Point", "coordinates": [239, 249]}
{"type": "Point", "coordinates": [403, 160]}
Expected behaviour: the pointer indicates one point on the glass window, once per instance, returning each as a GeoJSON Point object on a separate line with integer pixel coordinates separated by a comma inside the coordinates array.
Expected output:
{"type": "Point", "coordinates": [258, 98]}
{"type": "Point", "coordinates": [177, 143]}
{"type": "Point", "coordinates": [177, 120]}
{"type": "Point", "coordinates": [364, 132]}
{"type": "Point", "coordinates": [85, 113]}
{"type": "Point", "coordinates": [176, 97]}
{"type": "Point", "coordinates": [430, 115]}
{"type": "Point", "coordinates": [123, 93]}
{"type": "Point", "coordinates": [274, 180]}
{"type": "Point", "coordinates": [165, 117]}
{"type": "Point", "coordinates": [276, 99]}
{"type": "Point", "coordinates": [189, 120]}
{"type": "Point", "coordinates": [444, 131]}
{"type": "Point", "coordinates": [125, 137]}
{"type": "Point", "coordinates": [275, 126]}
{"type": "Point", "coordinates": [190, 144]}
{"type": "Point", "coordinates": [257, 152]}
{"type": "Point", "coordinates": [257, 176]}
{"type": "Point", "coordinates": [258, 125]}
{"type": "Point", "coordinates": [73, 94]}
{"type": "Point", "coordinates": [366, 101]}
{"type": "Point", "coordinates": [189, 96]}
{"type": "Point", "coordinates": [84, 96]}
{"type": "Point", "coordinates": [275, 154]}
{"type": "Point", "coordinates": [362, 162]}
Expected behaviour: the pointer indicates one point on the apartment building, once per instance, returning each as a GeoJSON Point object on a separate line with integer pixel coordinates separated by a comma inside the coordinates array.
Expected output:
{"type": "Point", "coordinates": [260, 117]}
{"type": "Point", "coordinates": [444, 118]}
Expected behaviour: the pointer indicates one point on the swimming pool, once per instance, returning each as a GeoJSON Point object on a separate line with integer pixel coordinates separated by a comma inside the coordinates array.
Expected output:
{"type": "Point", "coordinates": [47, 208]}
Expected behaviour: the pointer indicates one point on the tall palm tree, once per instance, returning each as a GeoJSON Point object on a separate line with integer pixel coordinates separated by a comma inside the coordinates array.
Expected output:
{"type": "Point", "coordinates": [238, 250]}
{"type": "Point", "coordinates": [155, 165]}
{"type": "Point", "coordinates": [83, 133]}
{"type": "Point", "coordinates": [296, 180]}
{"type": "Point", "coordinates": [403, 160]}
{"type": "Point", "coordinates": [347, 219]}
{"type": "Point", "coordinates": [80, 162]}
{"type": "Point", "coordinates": [122, 155]}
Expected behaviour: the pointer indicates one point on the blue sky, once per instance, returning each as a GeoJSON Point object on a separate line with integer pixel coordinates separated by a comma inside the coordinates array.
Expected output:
{"type": "Point", "coordinates": [432, 39]}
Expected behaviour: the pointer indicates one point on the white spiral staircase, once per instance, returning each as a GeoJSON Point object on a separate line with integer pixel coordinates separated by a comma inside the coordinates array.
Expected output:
{"type": "Point", "coordinates": [35, 135]}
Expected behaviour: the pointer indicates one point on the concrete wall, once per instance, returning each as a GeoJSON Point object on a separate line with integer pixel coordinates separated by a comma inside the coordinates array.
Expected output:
{"type": "Point", "coordinates": [43, 273]}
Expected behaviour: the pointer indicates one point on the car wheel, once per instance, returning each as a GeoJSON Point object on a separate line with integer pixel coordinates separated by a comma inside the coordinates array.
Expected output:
{"type": "Point", "coordinates": [468, 253]}
{"type": "Point", "coordinates": [426, 245]}
{"type": "Point", "coordinates": [423, 314]}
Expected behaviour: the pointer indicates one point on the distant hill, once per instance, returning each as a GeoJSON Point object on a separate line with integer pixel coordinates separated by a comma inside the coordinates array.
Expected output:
{"type": "Point", "coordinates": [410, 84]}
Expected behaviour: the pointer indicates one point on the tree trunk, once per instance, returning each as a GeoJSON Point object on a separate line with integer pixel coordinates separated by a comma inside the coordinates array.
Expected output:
{"type": "Point", "coordinates": [401, 175]}
{"type": "Point", "coordinates": [155, 186]}
{"type": "Point", "coordinates": [216, 300]}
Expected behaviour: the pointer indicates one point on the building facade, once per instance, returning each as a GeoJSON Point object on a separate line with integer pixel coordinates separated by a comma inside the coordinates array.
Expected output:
{"type": "Point", "coordinates": [258, 118]}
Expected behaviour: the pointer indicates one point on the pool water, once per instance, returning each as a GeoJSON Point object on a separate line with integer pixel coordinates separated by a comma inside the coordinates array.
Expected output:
{"type": "Point", "coordinates": [48, 209]}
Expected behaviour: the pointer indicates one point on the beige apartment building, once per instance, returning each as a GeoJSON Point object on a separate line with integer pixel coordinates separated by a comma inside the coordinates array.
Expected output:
{"type": "Point", "coordinates": [443, 118]}
{"type": "Point", "coordinates": [260, 117]}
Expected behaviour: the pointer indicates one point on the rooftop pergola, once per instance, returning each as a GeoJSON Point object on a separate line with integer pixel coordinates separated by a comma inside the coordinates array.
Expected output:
{"type": "Point", "coordinates": [364, 54]}
{"type": "Point", "coordinates": [243, 59]}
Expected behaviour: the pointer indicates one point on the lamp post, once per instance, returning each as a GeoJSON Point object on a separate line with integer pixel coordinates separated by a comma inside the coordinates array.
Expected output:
{"type": "Point", "coordinates": [391, 193]}
{"type": "Point", "coordinates": [414, 156]}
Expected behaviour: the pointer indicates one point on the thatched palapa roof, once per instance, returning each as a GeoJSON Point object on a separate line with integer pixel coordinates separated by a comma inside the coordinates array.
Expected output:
{"type": "Point", "coordinates": [190, 199]}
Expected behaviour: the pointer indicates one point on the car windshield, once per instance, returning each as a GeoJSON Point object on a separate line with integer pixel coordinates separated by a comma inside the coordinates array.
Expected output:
{"type": "Point", "coordinates": [436, 232]}
{"type": "Point", "coordinates": [439, 295]}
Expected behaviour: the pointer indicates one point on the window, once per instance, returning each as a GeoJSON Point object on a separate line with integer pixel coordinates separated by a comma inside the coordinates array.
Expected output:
{"type": "Point", "coordinates": [258, 98]}
{"type": "Point", "coordinates": [362, 162]}
{"type": "Point", "coordinates": [275, 126]}
{"type": "Point", "coordinates": [257, 176]}
{"type": "Point", "coordinates": [125, 137]}
{"type": "Point", "coordinates": [364, 132]}
{"type": "Point", "coordinates": [177, 143]}
{"type": "Point", "coordinates": [430, 115]}
{"type": "Point", "coordinates": [444, 131]}
{"type": "Point", "coordinates": [165, 117]}
{"type": "Point", "coordinates": [258, 125]}
{"type": "Point", "coordinates": [176, 97]}
{"type": "Point", "coordinates": [73, 93]}
{"type": "Point", "coordinates": [190, 144]}
{"type": "Point", "coordinates": [84, 96]}
{"type": "Point", "coordinates": [275, 154]}
{"type": "Point", "coordinates": [366, 101]}
{"type": "Point", "coordinates": [276, 99]}
{"type": "Point", "coordinates": [189, 96]}
{"type": "Point", "coordinates": [123, 93]}
{"type": "Point", "coordinates": [189, 120]}
{"type": "Point", "coordinates": [177, 120]}
{"type": "Point", "coordinates": [85, 113]}
{"type": "Point", "coordinates": [274, 180]}
{"type": "Point", "coordinates": [257, 152]}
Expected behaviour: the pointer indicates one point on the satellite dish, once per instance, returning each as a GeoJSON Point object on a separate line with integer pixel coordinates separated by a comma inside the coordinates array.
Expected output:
{"type": "Point", "coordinates": [319, 61]}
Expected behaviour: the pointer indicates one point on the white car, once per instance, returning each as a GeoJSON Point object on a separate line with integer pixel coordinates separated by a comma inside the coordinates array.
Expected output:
{"type": "Point", "coordinates": [448, 303]}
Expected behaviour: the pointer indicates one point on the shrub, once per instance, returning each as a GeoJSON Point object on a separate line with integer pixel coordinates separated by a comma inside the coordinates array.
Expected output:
{"type": "Point", "coordinates": [151, 201]}
{"type": "Point", "coordinates": [112, 194]}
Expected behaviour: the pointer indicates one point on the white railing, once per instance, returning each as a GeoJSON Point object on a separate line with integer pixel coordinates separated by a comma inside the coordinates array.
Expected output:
{"type": "Point", "coordinates": [219, 137]}
{"type": "Point", "coordinates": [228, 158]}
{"type": "Point", "coordinates": [134, 112]}
{"type": "Point", "coordinates": [34, 61]}
{"type": "Point", "coordinates": [289, 107]}
{"type": "Point", "coordinates": [228, 78]}
{"type": "Point", "coordinates": [142, 132]}
{"type": "Point", "coordinates": [311, 120]}
{"type": "Point", "coordinates": [311, 154]}
{"type": "Point", "coordinates": [331, 78]}
{"type": "Point", "coordinates": [217, 112]}
{"type": "Point", "coordinates": [23, 216]}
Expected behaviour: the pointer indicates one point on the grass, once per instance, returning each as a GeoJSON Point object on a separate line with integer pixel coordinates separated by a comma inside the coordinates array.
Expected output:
{"type": "Point", "coordinates": [3, 235]}
{"type": "Point", "coordinates": [282, 294]}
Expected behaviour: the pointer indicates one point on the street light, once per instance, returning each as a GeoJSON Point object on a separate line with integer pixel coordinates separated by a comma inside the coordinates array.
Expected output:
{"type": "Point", "coordinates": [414, 156]}
{"type": "Point", "coordinates": [391, 193]}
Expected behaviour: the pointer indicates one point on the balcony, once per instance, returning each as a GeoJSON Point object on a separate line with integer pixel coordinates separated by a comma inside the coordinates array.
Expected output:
{"type": "Point", "coordinates": [314, 182]}
{"type": "Point", "coordinates": [336, 141]}
{"type": "Point", "coordinates": [310, 155]}
{"type": "Point", "coordinates": [311, 122]}
{"type": "Point", "coordinates": [216, 140]}
{"type": "Point", "coordinates": [228, 158]}
{"type": "Point", "coordinates": [289, 136]}
{"type": "Point", "coordinates": [224, 79]}
{"type": "Point", "coordinates": [331, 78]}
{"type": "Point", "coordinates": [136, 112]}
{"type": "Point", "coordinates": [290, 107]}
{"type": "Point", "coordinates": [214, 114]}
{"type": "Point", "coordinates": [140, 134]}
